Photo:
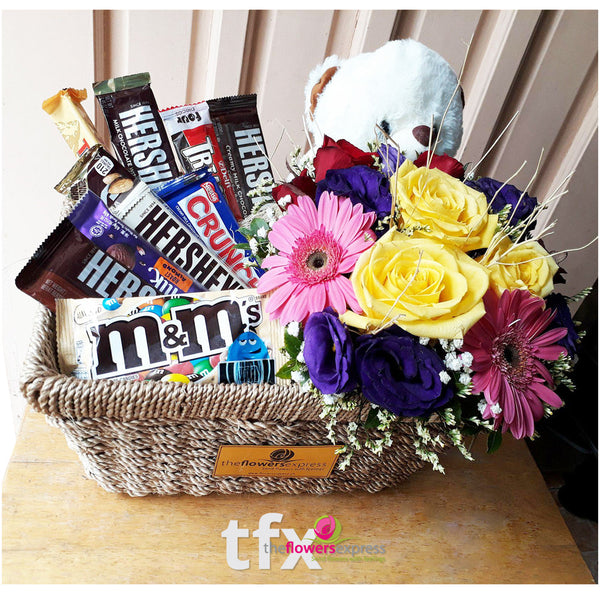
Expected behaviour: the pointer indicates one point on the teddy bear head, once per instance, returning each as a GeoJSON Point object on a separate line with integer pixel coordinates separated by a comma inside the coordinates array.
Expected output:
{"type": "Point", "coordinates": [398, 91]}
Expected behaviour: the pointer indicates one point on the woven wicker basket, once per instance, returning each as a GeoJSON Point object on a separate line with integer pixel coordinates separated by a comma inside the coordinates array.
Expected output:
{"type": "Point", "coordinates": [163, 438]}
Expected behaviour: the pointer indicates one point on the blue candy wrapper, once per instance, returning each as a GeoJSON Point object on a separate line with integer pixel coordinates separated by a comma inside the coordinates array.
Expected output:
{"type": "Point", "coordinates": [198, 200]}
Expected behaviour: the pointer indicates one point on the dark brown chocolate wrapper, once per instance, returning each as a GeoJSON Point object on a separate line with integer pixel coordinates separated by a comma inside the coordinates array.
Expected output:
{"type": "Point", "coordinates": [241, 141]}
{"type": "Point", "coordinates": [68, 265]}
{"type": "Point", "coordinates": [137, 132]}
{"type": "Point", "coordinates": [99, 172]}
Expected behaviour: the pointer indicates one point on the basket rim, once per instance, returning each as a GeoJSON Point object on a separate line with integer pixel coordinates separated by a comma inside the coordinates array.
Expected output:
{"type": "Point", "coordinates": [55, 394]}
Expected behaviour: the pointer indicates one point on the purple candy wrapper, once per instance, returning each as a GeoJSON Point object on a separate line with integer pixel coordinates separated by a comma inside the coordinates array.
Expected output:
{"type": "Point", "coordinates": [93, 219]}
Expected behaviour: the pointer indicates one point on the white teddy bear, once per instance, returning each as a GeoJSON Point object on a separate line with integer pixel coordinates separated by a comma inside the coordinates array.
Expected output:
{"type": "Point", "coordinates": [398, 87]}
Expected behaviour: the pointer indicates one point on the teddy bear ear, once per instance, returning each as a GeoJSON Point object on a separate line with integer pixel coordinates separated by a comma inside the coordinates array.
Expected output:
{"type": "Point", "coordinates": [320, 86]}
{"type": "Point", "coordinates": [318, 79]}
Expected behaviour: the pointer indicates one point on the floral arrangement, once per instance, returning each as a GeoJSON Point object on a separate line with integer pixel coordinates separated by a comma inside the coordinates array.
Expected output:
{"type": "Point", "coordinates": [413, 290]}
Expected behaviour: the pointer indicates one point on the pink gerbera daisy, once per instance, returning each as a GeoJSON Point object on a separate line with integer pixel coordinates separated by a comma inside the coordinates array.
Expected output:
{"type": "Point", "coordinates": [508, 345]}
{"type": "Point", "coordinates": [316, 247]}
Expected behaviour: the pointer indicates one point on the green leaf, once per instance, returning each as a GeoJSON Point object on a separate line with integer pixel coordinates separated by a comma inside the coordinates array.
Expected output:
{"type": "Point", "coordinates": [292, 344]}
{"type": "Point", "coordinates": [257, 224]}
{"type": "Point", "coordinates": [286, 371]}
{"type": "Point", "coordinates": [245, 232]}
{"type": "Point", "coordinates": [469, 429]}
{"type": "Point", "coordinates": [494, 441]}
{"type": "Point", "coordinates": [242, 246]}
{"type": "Point", "coordinates": [372, 421]}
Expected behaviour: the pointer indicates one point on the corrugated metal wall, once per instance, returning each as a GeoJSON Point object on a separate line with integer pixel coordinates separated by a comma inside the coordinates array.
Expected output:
{"type": "Point", "coordinates": [542, 64]}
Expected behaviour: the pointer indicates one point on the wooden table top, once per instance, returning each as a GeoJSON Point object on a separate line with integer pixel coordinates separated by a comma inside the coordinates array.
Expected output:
{"type": "Point", "coordinates": [491, 521]}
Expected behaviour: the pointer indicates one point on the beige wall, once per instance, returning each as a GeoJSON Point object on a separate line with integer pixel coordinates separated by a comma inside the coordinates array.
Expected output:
{"type": "Point", "coordinates": [541, 63]}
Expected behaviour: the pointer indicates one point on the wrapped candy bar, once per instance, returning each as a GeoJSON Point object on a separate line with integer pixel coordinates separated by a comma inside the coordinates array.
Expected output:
{"type": "Point", "coordinates": [207, 337]}
{"type": "Point", "coordinates": [147, 215]}
{"type": "Point", "coordinates": [98, 171]}
{"type": "Point", "coordinates": [94, 220]}
{"type": "Point", "coordinates": [137, 132]}
{"type": "Point", "coordinates": [68, 265]}
{"type": "Point", "coordinates": [195, 143]}
{"type": "Point", "coordinates": [198, 200]}
{"type": "Point", "coordinates": [71, 119]}
{"type": "Point", "coordinates": [134, 204]}
{"type": "Point", "coordinates": [241, 140]}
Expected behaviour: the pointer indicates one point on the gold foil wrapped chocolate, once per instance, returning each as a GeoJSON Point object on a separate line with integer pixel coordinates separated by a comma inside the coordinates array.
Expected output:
{"type": "Point", "coordinates": [72, 120]}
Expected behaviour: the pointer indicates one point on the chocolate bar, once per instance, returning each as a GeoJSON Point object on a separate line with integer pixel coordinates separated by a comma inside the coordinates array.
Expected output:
{"type": "Point", "coordinates": [71, 119]}
{"type": "Point", "coordinates": [93, 219]}
{"type": "Point", "coordinates": [198, 200]}
{"type": "Point", "coordinates": [97, 171]}
{"type": "Point", "coordinates": [178, 121]}
{"type": "Point", "coordinates": [137, 132]}
{"type": "Point", "coordinates": [146, 214]}
{"type": "Point", "coordinates": [68, 265]}
{"type": "Point", "coordinates": [242, 145]}
{"type": "Point", "coordinates": [181, 338]}
{"type": "Point", "coordinates": [196, 145]}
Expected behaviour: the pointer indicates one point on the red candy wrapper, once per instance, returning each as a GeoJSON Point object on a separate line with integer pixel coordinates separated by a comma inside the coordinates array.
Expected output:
{"type": "Point", "coordinates": [196, 145]}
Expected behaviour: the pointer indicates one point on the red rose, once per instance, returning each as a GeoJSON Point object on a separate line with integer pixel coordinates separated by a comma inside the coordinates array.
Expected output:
{"type": "Point", "coordinates": [301, 185]}
{"type": "Point", "coordinates": [339, 155]}
{"type": "Point", "coordinates": [444, 163]}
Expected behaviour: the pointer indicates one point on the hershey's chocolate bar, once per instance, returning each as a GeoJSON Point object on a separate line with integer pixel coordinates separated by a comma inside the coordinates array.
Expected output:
{"type": "Point", "coordinates": [93, 219]}
{"type": "Point", "coordinates": [240, 137]}
{"type": "Point", "coordinates": [99, 172]}
{"type": "Point", "coordinates": [145, 213]}
{"type": "Point", "coordinates": [68, 265]}
{"type": "Point", "coordinates": [137, 132]}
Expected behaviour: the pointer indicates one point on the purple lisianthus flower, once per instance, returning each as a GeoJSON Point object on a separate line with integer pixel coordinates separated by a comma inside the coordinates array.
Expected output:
{"type": "Point", "coordinates": [400, 374]}
{"type": "Point", "coordinates": [328, 353]}
{"type": "Point", "coordinates": [362, 185]}
{"type": "Point", "coordinates": [509, 194]}
{"type": "Point", "coordinates": [391, 159]}
{"type": "Point", "coordinates": [563, 318]}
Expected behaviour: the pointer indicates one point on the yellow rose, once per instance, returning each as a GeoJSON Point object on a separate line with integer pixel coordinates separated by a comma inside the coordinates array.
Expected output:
{"type": "Point", "coordinates": [429, 288]}
{"type": "Point", "coordinates": [455, 213]}
{"type": "Point", "coordinates": [525, 266]}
